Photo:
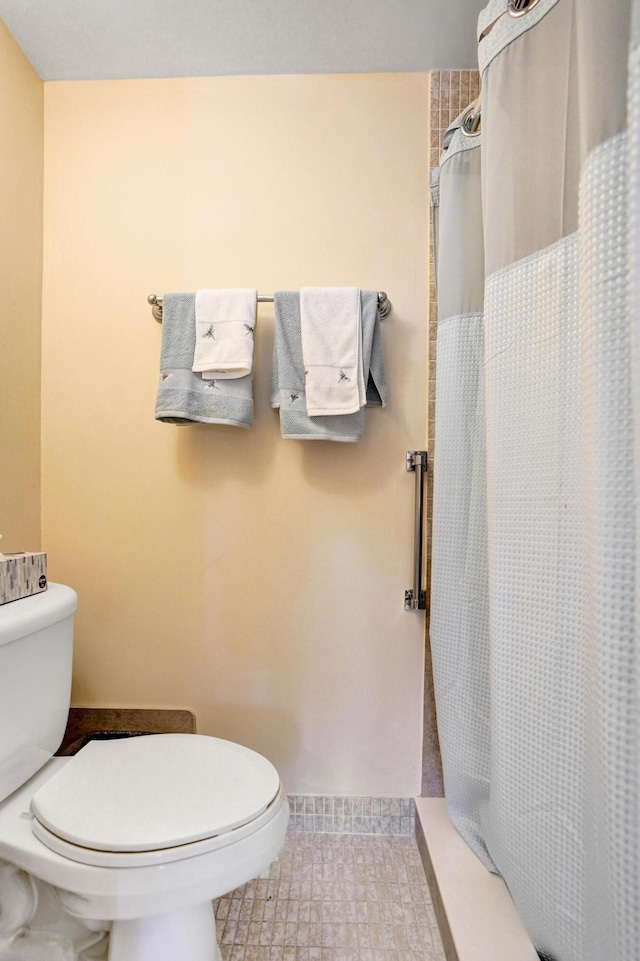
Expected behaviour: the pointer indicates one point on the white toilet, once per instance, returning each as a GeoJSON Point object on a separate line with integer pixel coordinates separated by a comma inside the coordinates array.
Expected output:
{"type": "Point", "coordinates": [142, 832]}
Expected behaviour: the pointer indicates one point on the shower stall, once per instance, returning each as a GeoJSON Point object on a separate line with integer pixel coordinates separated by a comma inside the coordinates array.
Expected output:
{"type": "Point", "coordinates": [534, 600]}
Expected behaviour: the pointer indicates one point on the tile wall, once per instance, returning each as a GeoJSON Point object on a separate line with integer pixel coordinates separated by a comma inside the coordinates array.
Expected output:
{"type": "Point", "coordinates": [351, 815]}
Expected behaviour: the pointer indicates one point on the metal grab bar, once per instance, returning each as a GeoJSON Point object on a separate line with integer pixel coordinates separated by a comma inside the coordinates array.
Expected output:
{"type": "Point", "coordinates": [415, 599]}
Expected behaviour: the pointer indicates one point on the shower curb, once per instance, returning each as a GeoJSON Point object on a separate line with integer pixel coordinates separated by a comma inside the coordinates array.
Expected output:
{"type": "Point", "coordinates": [478, 920]}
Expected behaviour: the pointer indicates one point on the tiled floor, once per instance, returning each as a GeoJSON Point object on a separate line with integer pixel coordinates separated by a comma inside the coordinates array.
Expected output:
{"type": "Point", "coordinates": [334, 898]}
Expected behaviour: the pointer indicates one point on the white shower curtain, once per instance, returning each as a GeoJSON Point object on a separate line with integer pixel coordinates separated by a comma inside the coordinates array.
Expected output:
{"type": "Point", "coordinates": [534, 601]}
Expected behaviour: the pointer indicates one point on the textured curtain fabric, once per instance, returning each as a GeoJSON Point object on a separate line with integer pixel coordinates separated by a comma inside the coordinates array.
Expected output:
{"type": "Point", "coordinates": [459, 580]}
{"type": "Point", "coordinates": [534, 598]}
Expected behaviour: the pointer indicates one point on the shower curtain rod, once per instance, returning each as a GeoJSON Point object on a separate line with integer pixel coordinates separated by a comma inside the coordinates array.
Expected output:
{"type": "Point", "coordinates": [384, 304]}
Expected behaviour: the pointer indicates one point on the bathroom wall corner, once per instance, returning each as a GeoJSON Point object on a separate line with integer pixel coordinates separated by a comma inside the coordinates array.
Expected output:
{"type": "Point", "coordinates": [21, 196]}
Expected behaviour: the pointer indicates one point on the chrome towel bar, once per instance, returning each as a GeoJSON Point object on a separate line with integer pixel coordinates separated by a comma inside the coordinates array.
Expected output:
{"type": "Point", "coordinates": [384, 304]}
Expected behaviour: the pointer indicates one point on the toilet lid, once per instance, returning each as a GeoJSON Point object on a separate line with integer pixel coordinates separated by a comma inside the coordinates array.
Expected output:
{"type": "Point", "coordinates": [149, 793]}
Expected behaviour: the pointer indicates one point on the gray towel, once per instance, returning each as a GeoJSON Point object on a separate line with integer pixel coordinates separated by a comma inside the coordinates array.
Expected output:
{"type": "Point", "coordinates": [183, 396]}
{"type": "Point", "coordinates": [287, 378]}
{"type": "Point", "coordinates": [376, 380]}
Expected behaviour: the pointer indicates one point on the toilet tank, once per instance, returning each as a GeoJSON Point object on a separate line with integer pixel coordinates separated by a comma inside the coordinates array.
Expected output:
{"type": "Point", "coordinates": [36, 645]}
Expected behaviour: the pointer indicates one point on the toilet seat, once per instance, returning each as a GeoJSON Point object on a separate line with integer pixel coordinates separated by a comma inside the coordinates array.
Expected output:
{"type": "Point", "coordinates": [143, 859]}
{"type": "Point", "coordinates": [149, 800]}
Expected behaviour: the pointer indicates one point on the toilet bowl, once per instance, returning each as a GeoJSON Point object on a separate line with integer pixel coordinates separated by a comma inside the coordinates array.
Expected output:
{"type": "Point", "coordinates": [142, 832]}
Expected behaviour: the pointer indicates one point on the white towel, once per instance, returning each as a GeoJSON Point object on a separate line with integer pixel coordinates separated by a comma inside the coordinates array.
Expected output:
{"type": "Point", "coordinates": [331, 329]}
{"type": "Point", "coordinates": [225, 327]}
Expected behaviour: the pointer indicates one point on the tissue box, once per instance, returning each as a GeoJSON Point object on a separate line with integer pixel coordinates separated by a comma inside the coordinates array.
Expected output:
{"type": "Point", "coordinates": [21, 575]}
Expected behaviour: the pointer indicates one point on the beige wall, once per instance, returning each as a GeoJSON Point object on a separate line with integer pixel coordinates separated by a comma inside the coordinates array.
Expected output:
{"type": "Point", "coordinates": [255, 580]}
{"type": "Point", "coordinates": [21, 162]}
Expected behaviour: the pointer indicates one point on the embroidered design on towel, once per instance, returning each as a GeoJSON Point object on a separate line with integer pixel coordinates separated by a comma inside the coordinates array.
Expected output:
{"type": "Point", "coordinates": [211, 385]}
{"type": "Point", "coordinates": [225, 322]}
{"type": "Point", "coordinates": [342, 377]}
{"type": "Point", "coordinates": [294, 398]}
{"type": "Point", "coordinates": [165, 375]}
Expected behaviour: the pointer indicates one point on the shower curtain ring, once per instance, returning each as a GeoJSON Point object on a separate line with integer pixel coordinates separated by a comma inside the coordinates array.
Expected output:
{"type": "Point", "coordinates": [518, 8]}
{"type": "Point", "coordinates": [471, 120]}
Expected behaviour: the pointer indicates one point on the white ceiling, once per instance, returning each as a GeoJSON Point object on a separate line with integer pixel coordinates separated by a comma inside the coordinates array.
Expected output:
{"type": "Point", "coordinates": [108, 39]}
